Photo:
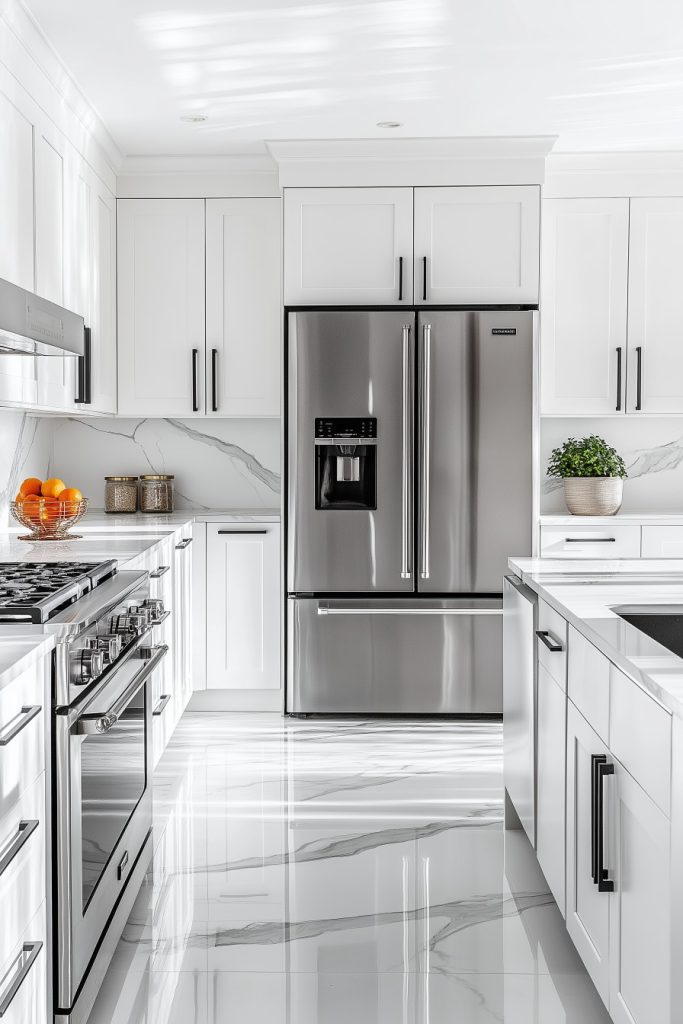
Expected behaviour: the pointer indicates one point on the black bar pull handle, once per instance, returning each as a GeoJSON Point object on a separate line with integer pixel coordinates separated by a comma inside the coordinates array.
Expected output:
{"type": "Point", "coordinates": [619, 379]}
{"type": "Point", "coordinates": [550, 641]}
{"type": "Point", "coordinates": [400, 279]}
{"type": "Point", "coordinates": [195, 365]}
{"type": "Point", "coordinates": [590, 540]}
{"type": "Point", "coordinates": [161, 706]}
{"type": "Point", "coordinates": [25, 830]}
{"type": "Point", "coordinates": [26, 715]}
{"type": "Point", "coordinates": [84, 393]}
{"type": "Point", "coordinates": [24, 961]}
{"type": "Point", "coordinates": [214, 380]}
{"type": "Point", "coordinates": [596, 759]}
{"type": "Point", "coordinates": [605, 884]}
{"type": "Point", "coordinates": [639, 378]}
{"type": "Point", "coordinates": [241, 533]}
{"type": "Point", "coordinates": [424, 278]}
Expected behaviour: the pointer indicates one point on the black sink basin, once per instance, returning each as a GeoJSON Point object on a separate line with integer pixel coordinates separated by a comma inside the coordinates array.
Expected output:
{"type": "Point", "coordinates": [663, 623]}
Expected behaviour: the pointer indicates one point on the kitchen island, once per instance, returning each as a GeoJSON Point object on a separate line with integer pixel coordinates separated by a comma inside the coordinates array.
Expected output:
{"type": "Point", "coordinates": [603, 803]}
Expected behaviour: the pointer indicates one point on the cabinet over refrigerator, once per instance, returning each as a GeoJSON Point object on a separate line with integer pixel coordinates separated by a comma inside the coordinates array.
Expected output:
{"type": "Point", "coordinates": [409, 483]}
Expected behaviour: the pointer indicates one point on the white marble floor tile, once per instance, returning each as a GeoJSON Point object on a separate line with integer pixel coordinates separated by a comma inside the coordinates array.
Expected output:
{"type": "Point", "coordinates": [329, 871]}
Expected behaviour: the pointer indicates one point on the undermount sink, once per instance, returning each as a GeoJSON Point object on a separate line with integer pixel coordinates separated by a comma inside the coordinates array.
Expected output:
{"type": "Point", "coordinates": [664, 623]}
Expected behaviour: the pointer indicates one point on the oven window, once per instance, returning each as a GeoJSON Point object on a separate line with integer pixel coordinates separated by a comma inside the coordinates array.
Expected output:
{"type": "Point", "coordinates": [113, 779]}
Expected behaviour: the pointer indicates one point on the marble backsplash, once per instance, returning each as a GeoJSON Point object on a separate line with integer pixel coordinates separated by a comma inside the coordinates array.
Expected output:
{"type": "Point", "coordinates": [652, 448]}
{"type": "Point", "coordinates": [216, 463]}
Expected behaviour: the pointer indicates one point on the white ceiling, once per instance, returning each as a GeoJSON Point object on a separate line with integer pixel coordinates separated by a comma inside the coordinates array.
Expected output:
{"type": "Point", "coordinates": [600, 74]}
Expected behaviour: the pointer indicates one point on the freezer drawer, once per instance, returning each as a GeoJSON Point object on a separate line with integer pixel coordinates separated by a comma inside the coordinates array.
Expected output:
{"type": "Point", "coordinates": [395, 656]}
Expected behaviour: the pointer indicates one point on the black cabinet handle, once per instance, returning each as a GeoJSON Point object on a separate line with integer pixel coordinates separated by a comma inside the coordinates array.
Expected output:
{"type": "Point", "coordinates": [424, 278]}
{"type": "Point", "coordinates": [24, 831]}
{"type": "Point", "coordinates": [604, 882]}
{"type": "Point", "coordinates": [161, 571]}
{"type": "Point", "coordinates": [619, 379]}
{"type": "Point", "coordinates": [241, 532]}
{"type": "Point", "coordinates": [195, 397]}
{"type": "Point", "coordinates": [550, 641]}
{"type": "Point", "coordinates": [214, 380]}
{"type": "Point", "coordinates": [590, 540]}
{"type": "Point", "coordinates": [28, 713]}
{"type": "Point", "coordinates": [596, 759]}
{"type": "Point", "coordinates": [163, 701]}
{"type": "Point", "coordinates": [184, 544]}
{"type": "Point", "coordinates": [29, 953]}
{"type": "Point", "coordinates": [84, 394]}
{"type": "Point", "coordinates": [639, 378]}
{"type": "Point", "coordinates": [400, 279]}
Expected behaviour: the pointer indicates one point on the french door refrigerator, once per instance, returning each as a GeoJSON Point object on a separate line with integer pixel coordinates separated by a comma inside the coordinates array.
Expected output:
{"type": "Point", "coordinates": [409, 483]}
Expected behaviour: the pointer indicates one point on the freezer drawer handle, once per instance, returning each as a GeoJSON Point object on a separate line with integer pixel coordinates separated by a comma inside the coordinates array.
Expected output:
{"type": "Point", "coordinates": [406, 571]}
{"type": "Point", "coordinates": [32, 949]}
{"type": "Point", "coordinates": [326, 609]}
{"type": "Point", "coordinates": [426, 421]}
{"type": "Point", "coordinates": [550, 641]}
{"type": "Point", "coordinates": [28, 713]}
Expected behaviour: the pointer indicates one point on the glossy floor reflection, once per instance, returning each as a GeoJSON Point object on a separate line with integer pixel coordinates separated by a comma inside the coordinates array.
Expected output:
{"type": "Point", "coordinates": [327, 872]}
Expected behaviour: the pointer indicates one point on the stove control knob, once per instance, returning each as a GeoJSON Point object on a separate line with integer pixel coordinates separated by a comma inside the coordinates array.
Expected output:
{"type": "Point", "coordinates": [85, 666]}
{"type": "Point", "coordinates": [140, 619]}
{"type": "Point", "coordinates": [109, 644]}
{"type": "Point", "coordinates": [123, 626]}
{"type": "Point", "coordinates": [155, 608]}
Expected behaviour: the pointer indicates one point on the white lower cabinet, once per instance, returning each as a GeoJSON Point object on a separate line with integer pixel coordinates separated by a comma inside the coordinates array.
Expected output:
{"type": "Point", "coordinates": [550, 783]}
{"type": "Point", "coordinates": [182, 616]}
{"type": "Point", "coordinates": [243, 606]}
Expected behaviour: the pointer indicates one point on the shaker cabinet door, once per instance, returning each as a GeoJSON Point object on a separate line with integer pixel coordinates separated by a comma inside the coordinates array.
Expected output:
{"type": "Point", "coordinates": [584, 278]}
{"type": "Point", "coordinates": [348, 246]}
{"type": "Point", "coordinates": [243, 307]}
{"type": "Point", "coordinates": [655, 307]}
{"type": "Point", "coordinates": [243, 606]}
{"type": "Point", "coordinates": [477, 245]}
{"type": "Point", "coordinates": [161, 330]}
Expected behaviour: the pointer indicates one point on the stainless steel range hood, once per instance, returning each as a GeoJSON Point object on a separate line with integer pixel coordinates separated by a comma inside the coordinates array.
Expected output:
{"type": "Point", "coordinates": [32, 326]}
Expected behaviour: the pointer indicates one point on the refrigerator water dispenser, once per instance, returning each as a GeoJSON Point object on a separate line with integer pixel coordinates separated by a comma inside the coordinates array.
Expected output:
{"type": "Point", "coordinates": [346, 463]}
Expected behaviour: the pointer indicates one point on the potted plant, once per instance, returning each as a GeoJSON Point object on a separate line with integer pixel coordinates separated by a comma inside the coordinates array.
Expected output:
{"type": "Point", "coordinates": [592, 473]}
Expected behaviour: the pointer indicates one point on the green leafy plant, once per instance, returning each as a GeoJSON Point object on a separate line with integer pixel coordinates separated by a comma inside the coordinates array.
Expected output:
{"type": "Point", "coordinates": [590, 456]}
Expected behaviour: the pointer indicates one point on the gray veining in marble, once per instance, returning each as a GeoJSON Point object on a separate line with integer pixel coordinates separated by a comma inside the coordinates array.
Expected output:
{"type": "Point", "coordinates": [320, 872]}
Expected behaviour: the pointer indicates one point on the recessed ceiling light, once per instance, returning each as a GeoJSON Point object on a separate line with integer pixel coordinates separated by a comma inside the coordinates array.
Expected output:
{"type": "Point", "coordinates": [389, 124]}
{"type": "Point", "coordinates": [194, 118]}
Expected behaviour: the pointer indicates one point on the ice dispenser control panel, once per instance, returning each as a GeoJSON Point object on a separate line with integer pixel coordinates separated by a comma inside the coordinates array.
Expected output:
{"type": "Point", "coordinates": [345, 463]}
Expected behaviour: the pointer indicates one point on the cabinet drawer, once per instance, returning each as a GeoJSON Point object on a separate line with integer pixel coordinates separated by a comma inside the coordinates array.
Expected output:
{"type": "Point", "coordinates": [22, 853]}
{"type": "Point", "coordinates": [554, 630]}
{"type": "Point", "coordinates": [588, 678]}
{"type": "Point", "coordinates": [613, 540]}
{"type": "Point", "coordinates": [640, 737]}
{"type": "Point", "coordinates": [22, 735]}
{"type": "Point", "coordinates": [662, 542]}
{"type": "Point", "coordinates": [23, 975]}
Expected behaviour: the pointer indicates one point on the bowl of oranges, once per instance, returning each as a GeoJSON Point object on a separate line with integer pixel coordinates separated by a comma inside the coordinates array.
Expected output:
{"type": "Point", "coordinates": [48, 509]}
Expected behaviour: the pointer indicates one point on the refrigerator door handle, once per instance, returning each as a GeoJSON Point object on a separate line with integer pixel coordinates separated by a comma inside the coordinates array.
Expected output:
{"type": "Point", "coordinates": [406, 571]}
{"type": "Point", "coordinates": [425, 404]}
{"type": "Point", "coordinates": [331, 609]}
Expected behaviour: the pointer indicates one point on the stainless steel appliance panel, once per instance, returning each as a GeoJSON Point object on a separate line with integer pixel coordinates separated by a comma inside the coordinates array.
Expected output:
{"type": "Point", "coordinates": [475, 408]}
{"type": "Point", "coordinates": [351, 364]}
{"type": "Point", "coordinates": [393, 656]}
{"type": "Point", "coordinates": [519, 700]}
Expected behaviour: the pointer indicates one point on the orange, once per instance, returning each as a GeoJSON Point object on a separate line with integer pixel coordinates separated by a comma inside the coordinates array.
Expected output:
{"type": "Point", "coordinates": [53, 487]}
{"type": "Point", "coordinates": [31, 485]}
{"type": "Point", "coordinates": [70, 494]}
{"type": "Point", "coordinates": [32, 507]}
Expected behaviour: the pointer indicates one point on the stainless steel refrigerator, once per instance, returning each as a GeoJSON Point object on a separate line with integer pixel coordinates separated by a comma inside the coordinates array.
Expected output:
{"type": "Point", "coordinates": [409, 482]}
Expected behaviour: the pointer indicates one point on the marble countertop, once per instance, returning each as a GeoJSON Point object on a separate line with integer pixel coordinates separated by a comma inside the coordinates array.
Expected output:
{"type": "Point", "coordinates": [20, 653]}
{"type": "Point", "coordinates": [587, 592]}
{"type": "Point", "coordinates": [652, 518]}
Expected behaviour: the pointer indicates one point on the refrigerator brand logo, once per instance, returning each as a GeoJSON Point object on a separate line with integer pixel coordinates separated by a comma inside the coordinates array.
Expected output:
{"type": "Point", "coordinates": [503, 330]}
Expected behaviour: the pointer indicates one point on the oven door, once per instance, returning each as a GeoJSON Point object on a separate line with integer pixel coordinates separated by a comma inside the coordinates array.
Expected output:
{"type": "Point", "coordinates": [103, 766]}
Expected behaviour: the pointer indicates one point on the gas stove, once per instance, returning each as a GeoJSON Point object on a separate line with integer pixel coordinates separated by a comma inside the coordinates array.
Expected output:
{"type": "Point", "coordinates": [34, 592]}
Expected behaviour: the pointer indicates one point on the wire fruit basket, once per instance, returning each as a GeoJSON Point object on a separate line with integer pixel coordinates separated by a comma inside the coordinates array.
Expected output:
{"type": "Point", "coordinates": [48, 518]}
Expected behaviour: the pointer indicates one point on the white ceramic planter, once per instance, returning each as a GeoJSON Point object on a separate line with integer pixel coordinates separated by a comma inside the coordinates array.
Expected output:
{"type": "Point", "coordinates": [593, 495]}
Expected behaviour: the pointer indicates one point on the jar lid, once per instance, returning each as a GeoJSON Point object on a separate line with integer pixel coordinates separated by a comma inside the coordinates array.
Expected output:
{"type": "Point", "coordinates": [121, 479]}
{"type": "Point", "coordinates": [158, 476]}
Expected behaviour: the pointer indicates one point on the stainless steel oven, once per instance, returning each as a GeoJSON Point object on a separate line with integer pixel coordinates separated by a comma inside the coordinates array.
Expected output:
{"type": "Point", "coordinates": [102, 769]}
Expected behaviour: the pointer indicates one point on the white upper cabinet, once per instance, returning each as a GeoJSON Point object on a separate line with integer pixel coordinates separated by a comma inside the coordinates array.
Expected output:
{"type": "Point", "coordinates": [655, 307]}
{"type": "Point", "coordinates": [584, 277]}
{"type": "Point", "coordinates": [243, 307]}
{"type": "Point", "coordinates": [16, 196]}
{"type": "Point", "coordinates": [103, 313]}
{"type": "Point", "coordinates": [160, 257]}
{"type": "Point", "coordinates": [477, 245]}
{"type": "Point", "coordinates": [348, 245]}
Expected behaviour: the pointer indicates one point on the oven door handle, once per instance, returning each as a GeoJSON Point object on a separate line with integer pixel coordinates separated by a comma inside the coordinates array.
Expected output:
{"type": "Point", "coordinates": [97, 724]}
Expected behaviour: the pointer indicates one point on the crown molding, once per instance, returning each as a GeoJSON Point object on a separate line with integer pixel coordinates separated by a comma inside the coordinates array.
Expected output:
{"type": "Point", "coordinates": [197, 177]}
{"type": "Point", "coordinates": [599, 175]}
{"type": "Point", "coordinates": [396, 162]}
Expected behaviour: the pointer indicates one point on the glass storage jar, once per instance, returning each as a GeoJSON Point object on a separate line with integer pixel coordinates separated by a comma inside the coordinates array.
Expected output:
{"type": "Point", "coordinates": [120, 494]}
{"type": "Point", "coordinates": [156, 493]}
